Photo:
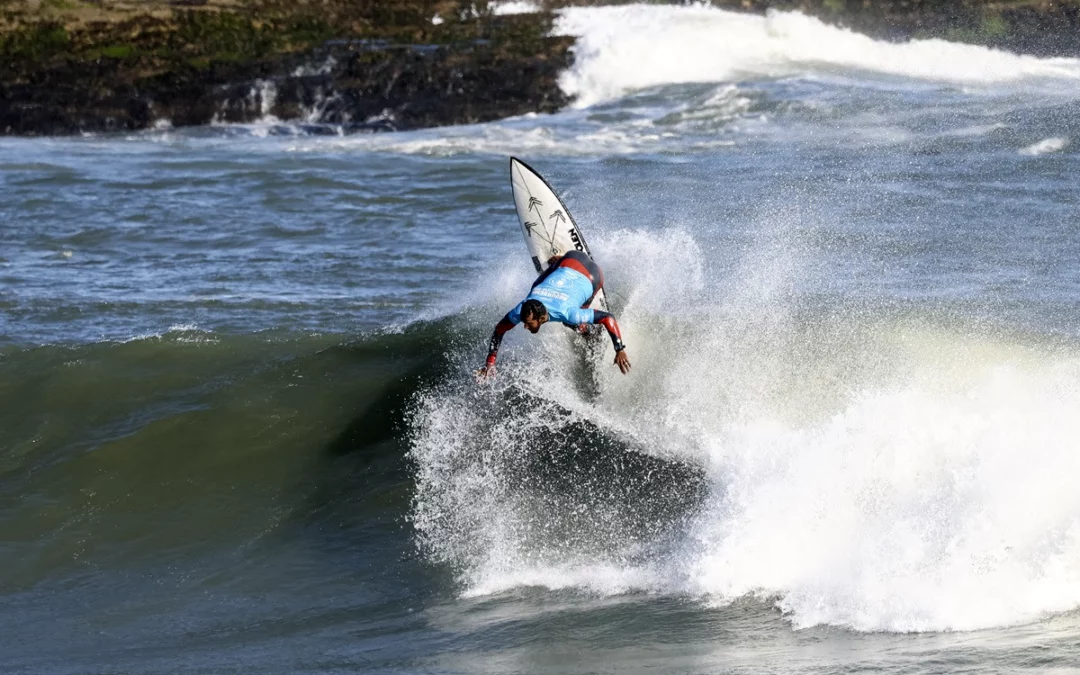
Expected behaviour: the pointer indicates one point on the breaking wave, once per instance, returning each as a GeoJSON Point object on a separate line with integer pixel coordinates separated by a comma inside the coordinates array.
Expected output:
{"type": "Point", "coordinates": [631, 47]}
{"type": "Point", "coordinates": [852, 466]}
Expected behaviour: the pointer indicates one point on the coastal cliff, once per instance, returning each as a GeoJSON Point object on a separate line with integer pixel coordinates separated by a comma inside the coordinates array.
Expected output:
{"type": "Point", "coordinates": [344, 66]}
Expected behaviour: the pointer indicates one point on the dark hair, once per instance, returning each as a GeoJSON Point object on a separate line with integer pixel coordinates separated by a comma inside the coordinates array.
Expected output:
{"type": "Point", "coordinates": [533, 308]}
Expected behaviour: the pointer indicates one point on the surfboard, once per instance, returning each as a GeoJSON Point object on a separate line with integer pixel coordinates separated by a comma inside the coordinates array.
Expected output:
{"type": "Point", "coordinates": [546, 223]}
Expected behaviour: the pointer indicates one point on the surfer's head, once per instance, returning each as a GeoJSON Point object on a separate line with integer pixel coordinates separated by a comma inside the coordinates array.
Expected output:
{"type": "Point", "coordinates": [533, 315]}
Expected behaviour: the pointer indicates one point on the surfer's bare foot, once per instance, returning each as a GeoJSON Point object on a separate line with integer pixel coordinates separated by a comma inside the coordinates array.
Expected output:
{"type": "Point", "coordinates": [622, 361]}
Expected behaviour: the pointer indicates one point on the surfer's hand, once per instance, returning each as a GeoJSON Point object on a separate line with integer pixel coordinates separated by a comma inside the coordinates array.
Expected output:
{"type": "Point", "coordinates": [622, 361]}
{"type": "Point", "coordinates": [485, 373]}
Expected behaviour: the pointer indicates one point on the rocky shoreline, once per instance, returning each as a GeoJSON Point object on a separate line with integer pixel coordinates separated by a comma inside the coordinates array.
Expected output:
{"type": "Point", "coordinates": [377, 65]}
{"type": "Point", "coordinates": [342, 66]}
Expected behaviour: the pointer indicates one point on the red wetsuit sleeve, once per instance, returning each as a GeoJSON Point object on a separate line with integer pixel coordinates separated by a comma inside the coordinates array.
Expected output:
{"type": "Point", "coordinates": [496, 338]}
{"type": "Point", "coordinates": [608, 321]}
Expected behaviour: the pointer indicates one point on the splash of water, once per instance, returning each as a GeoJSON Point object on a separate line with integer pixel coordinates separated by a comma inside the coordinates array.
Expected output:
{"type": "Point", "coordinates": [859, 469]}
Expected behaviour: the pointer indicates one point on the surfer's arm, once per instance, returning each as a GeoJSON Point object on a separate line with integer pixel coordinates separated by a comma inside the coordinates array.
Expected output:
{"type": "Point", "coordinates": [501, 329]}
{"type": "Point", "coordinates": [608, 321]}
{"type": "Point", "coordinates": [512, 318]}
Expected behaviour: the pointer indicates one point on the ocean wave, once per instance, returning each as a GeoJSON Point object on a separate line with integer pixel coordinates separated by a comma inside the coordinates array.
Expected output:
{"type": "Point", "coordinates": [190, 443]}
{"type": "Point", "coordinates": [853, 467]}
{"type": "Point", "coordinates": [631, 47]}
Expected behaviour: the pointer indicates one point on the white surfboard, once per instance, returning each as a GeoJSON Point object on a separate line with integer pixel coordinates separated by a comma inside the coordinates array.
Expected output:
{"type": "Point", "coordinates": [549, 229]}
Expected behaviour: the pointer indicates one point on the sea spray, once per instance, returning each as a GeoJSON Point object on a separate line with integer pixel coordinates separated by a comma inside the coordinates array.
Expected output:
{"type": "Point", "coordinates": [861, 468]}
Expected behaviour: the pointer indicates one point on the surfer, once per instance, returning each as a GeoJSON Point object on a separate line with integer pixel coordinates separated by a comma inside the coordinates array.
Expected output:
{"type": "Point", "coordinates": [561, 293]}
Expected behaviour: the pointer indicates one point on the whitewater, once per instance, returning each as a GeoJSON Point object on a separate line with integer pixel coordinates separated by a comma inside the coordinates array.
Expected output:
{"type": "Point", "coordinates": [865, 469]}
{"type": "Point", "coordinates": [239, 428]}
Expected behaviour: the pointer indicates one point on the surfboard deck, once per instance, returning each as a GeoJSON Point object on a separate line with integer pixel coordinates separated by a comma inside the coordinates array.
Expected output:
{"type": "Point", "coordinates": [549, 229]}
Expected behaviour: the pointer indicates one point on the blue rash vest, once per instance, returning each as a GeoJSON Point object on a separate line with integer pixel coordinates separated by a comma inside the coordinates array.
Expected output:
{"type": "Point", "coordinates": [563, 292]}
{"type": "Point", "coordinates": [562, 289]}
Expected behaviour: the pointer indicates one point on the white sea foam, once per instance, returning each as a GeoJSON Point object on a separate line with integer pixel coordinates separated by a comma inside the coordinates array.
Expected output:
{"type": "Point", "coordinates": [311, 70]}
{"type": "Point", "coordinates": [186, 332]}
{"type": "Point", "coordinates": [1045, 146]}
{"type": "Point", "coordinates": [861, 471]}
{"type": "Point", "coordinates": [514, 7]}
{"type": "Point", "coordinates": [624, 48]}
{"type": "Point", "coordinates": [506, 138]}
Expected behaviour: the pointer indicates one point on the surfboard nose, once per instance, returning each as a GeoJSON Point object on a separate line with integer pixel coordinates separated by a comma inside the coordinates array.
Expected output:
{"type": "Point", "coordinates": [549, 229]}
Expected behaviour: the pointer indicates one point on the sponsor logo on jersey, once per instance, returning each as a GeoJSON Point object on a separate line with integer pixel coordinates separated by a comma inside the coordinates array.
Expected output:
{"type": "Point", "coordinates": [548, 293]}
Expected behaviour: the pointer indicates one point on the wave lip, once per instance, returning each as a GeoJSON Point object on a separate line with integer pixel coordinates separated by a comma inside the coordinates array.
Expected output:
{"type": "Point", "coordinates": [630, 47]}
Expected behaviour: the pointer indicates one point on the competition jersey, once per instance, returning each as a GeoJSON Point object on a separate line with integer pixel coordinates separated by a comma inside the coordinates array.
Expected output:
{"type": "Point", "coordinates": [563, 292]}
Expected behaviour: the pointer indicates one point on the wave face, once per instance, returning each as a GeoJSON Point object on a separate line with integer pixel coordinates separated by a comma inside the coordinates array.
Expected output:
{"type": "Point", "coordinates": [857, 468]}
{"type": "Point", "coordinates": [194, 449]}
{"type": "Point", "coordinates": [632, 47]}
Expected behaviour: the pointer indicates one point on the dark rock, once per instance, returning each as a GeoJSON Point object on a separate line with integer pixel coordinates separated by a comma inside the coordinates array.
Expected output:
{"type": "Point", "coordinates": [201, 68]}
